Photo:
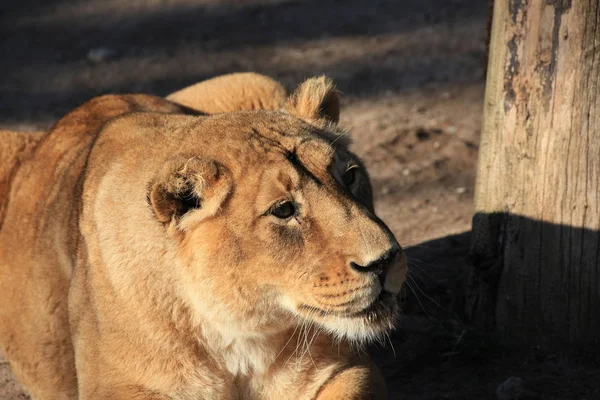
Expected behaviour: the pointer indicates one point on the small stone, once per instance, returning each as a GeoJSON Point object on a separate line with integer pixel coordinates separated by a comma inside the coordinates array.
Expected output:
{"type": "Point", "coordinates": [439, 163]}
{"type": "Point", "coordinates": [101, 54]}
{"type": "Point", "coordinates": [436, 145]}
{"type": "Point", "coordinates": [510, 389]}
{"type": "Point", "coordinates": [451, 130]}
{"type": "Point", "coordinates": [461, 190]}
{"type": "Point", "coordinates": [406, 172]}
{"type": "Point", "coordinates": [471, 145]}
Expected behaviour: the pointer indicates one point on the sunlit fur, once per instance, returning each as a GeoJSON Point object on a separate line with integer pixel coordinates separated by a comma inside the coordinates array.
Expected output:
{"type": "Point", "coordinates": [182, 282]}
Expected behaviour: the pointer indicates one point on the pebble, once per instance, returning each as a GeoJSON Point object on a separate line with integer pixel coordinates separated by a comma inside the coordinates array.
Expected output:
{"type": "Point", "coordinates": [461, 190]}
{"type": "Point", "coordinates": [406, 172]}
{"type": "Point", "coordinates": [451, 130]}
{"type": "Point", "coordinates": [510, 389]}
{"type": "Point", "coordinates": [436, 145]}
{"type": "Point", "coordinates": [101, 54]}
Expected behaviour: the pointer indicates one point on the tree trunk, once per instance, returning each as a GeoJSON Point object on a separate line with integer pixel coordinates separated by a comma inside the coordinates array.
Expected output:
{"type": "Point", "coordinates": [536, 243]}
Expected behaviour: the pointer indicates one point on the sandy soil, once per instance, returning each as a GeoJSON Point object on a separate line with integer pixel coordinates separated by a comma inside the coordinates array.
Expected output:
{"type": "Point", "coordinates": [412, 76]}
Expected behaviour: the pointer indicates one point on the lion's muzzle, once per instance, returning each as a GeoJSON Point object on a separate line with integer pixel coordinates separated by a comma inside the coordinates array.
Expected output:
{"type": "Point", "coordinates": [380, 266]}
{"type": "Point", "coordinates": [390, 268]}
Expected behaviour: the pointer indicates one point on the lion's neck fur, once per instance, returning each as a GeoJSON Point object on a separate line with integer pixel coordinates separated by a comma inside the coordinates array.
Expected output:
{"type": "Point", "coordinates": [236, 334]}
{"type": "Point", "coordinates": [242, 353]}
{"type": "Point", "coordinates": [257, 360]}
{"type": "Point", "coordinates": [243, 348]}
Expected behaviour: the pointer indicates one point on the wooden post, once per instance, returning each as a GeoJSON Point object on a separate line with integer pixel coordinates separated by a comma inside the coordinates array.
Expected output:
{"type": "Point", "coordinates": [536, 242]}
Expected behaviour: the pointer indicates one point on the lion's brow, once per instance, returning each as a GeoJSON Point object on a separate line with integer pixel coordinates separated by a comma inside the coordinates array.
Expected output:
{"type": "Point", "coordinates": [292, 157]}
{"type": "Point", "coordinates": [265, 140]}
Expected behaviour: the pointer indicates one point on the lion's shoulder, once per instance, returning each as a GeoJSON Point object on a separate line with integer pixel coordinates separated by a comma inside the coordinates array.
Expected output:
{"type": "Point", "coordinates": [232, 92]}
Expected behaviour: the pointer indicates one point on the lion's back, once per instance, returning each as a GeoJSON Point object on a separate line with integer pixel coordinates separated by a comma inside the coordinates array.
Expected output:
{"type": "Point", "coordinates": [15, 147]}
{"type": "Point", "coordinates": [40, 195]}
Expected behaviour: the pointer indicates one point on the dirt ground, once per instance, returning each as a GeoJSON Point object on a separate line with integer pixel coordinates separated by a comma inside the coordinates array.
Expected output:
{"type": "Point", "coordinates": [412, 76]}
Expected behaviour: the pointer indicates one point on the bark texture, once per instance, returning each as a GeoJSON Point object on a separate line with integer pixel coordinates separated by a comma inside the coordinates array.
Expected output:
{"type": "Point", "coordinates": [536, 249]}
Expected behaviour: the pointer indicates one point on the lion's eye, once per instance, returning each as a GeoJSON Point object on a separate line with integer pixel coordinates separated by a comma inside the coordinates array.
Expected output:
{"type": "Point", "coordinates": [349, 177]}
{"type": "Point", "coordinates": [284, 210]}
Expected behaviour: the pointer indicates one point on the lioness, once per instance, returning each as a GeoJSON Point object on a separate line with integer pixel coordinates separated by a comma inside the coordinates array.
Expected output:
{"type": "Point", "coordinates": [148, 251]}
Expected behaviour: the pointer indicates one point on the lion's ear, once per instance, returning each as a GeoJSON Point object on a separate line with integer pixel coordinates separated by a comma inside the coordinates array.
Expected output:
{"type": "Point", "coordinates": [315, 100]}
{"type": "Point", "coordinates": [187, 184]}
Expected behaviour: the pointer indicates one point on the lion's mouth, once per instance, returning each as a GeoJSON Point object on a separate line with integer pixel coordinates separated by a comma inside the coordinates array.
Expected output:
{"type": "Point", "coordinates": [366, 324]}
{"type": "Point", "coordinates": [382, 305]}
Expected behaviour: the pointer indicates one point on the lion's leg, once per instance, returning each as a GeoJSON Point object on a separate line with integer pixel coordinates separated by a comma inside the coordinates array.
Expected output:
{"type": "Point", "coordinates": [36, 340]}
{"type": "Point", "coordinates": [43, 381]}
{"type": "Point", "coordinates": [34, 332]}
{"type": "Point", "coordinates": [355, 383]}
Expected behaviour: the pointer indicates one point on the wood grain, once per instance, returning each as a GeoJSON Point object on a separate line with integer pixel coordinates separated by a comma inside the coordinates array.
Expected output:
{"type": "Point", "coordinates": [536, 248]}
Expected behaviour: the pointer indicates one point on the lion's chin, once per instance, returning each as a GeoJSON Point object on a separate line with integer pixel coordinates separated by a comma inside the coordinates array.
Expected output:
{"type": "Point", "coordinates": [364, 326]}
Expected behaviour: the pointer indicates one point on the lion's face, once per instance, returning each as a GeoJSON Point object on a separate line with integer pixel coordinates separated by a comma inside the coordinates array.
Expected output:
{"type": "Point", "coordinates": [281, 231]}
{"type": "Point", "coordinates": [334, 261]}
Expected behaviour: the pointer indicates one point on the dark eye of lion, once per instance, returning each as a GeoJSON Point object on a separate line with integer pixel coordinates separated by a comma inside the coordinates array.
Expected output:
{"type": "Point", "coordinates": [349, 176]}
{"type": "Point", "coordinates": [284, 210]}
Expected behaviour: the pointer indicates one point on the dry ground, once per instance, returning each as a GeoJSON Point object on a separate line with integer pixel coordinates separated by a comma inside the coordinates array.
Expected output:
{"type": "Point", "coordinates": [412, 76]}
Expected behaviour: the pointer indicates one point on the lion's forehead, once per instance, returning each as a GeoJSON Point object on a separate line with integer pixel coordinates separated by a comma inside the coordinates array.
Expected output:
{"type": "Point", "coordinates": [247, 141]}
{"type": "Point", "coordinates": [278, 138]}
{"type": "Point", "coordinates": [268, 129]}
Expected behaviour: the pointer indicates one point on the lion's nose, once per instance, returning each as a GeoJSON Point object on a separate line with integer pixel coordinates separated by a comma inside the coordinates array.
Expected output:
{"type": "Point", "coordinates": [379, 266]}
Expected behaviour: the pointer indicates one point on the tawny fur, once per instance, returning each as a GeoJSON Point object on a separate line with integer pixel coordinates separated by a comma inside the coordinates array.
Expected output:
{"type": "Point", "coordinates": [15, 147]}
{"type": "Point", "coordinates": [140, 258]}
{"type": "Point", "coordinates": [235, 92]}
{"type": "Point", "coordinates": [316, 98]}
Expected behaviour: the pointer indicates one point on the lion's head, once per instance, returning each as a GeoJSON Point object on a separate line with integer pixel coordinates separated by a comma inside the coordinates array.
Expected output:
{"type": "Point", "coordinates": [262, 219]}
{"type": "Point", "coordinates": [276, 223]}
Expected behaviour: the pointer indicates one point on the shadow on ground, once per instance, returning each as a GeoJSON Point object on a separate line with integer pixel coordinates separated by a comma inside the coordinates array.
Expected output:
{"type": "Point", "coordinates": [439, 356]}
{"type": "Point", "coordinates": [158, 47]}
